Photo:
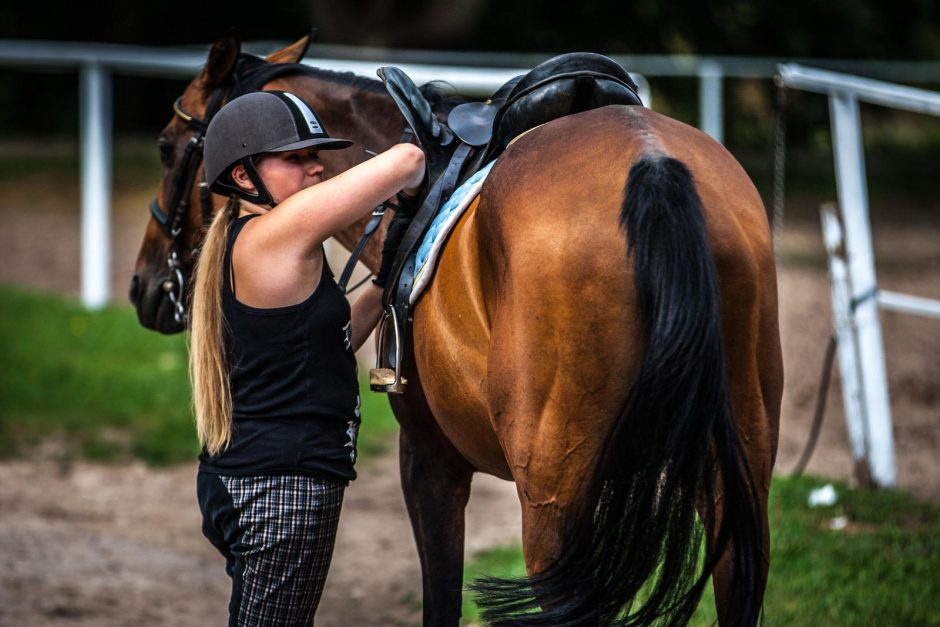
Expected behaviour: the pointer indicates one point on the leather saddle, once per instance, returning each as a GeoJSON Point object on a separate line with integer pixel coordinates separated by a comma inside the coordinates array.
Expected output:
{"type": "Point", "coordinates": [474, 134]}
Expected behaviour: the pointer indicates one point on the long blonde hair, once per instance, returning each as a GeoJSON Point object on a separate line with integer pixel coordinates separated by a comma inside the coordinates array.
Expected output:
{"type": "Point", "coordinates": [212, 395]}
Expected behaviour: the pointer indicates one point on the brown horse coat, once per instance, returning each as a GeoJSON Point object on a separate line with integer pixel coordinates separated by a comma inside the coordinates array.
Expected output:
{"type": "Point", "coordinates": [512, 338]}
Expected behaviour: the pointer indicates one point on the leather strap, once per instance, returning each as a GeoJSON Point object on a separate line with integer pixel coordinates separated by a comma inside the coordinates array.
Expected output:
{"type": "Point", "coordinates": [370, 229]}
{"type": "Point", "coordinates": [407, 137]}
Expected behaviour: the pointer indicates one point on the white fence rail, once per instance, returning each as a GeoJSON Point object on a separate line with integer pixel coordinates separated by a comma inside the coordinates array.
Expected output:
{"type": "Point", "coordinates": [856, 297]}
{"type": "Point", "coordinates": [471, 73]}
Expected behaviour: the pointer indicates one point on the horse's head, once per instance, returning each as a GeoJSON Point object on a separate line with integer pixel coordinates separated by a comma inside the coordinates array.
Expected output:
{"type": "Point", "coordinates": [161, 284]}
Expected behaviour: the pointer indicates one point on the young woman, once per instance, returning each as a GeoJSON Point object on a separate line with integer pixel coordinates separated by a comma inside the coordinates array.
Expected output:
{"type": "Point", "coordinates": [272, 356]}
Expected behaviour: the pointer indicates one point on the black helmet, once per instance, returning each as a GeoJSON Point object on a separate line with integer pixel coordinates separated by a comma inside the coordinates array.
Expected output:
{"type": "Point", "coordinates": [259, 122]}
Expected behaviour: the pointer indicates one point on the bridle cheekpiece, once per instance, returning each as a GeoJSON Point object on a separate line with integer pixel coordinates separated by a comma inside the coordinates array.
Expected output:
{"type": "Point", "coordinates": [172, 220]}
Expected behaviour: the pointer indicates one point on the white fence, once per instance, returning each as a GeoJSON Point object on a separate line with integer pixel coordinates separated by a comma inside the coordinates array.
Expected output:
{"type": "Point", "coordinates": [855, 292]}
{"type": "Point", "coordinates": [471, 73]}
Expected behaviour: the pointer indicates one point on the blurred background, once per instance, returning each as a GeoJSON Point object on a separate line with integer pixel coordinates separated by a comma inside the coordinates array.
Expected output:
{"type": "Point", "coordinates": [907, 30]}
{"type": "Point", "coordinates": [98, 524]}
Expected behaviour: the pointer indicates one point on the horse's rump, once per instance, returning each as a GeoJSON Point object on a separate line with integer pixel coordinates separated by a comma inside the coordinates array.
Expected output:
{"type": "Point", "coordinates": [551, 301]}
{"type": "Point", "coordinates": [535, 241]}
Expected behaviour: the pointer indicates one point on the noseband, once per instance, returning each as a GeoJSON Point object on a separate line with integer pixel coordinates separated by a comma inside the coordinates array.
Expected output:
{"type": "Point", "coordinates": [171, 221]}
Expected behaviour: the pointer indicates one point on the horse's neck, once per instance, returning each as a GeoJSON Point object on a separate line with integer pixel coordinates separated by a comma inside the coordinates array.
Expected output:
{"type": "Point", "coordinates": [362, 112]}
{"type": "Point", "coordinates": [369, 117]}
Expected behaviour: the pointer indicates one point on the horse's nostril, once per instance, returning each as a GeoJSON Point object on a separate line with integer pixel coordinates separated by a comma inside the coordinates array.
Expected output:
{"type": "Point", "coordinates": [134, 293]}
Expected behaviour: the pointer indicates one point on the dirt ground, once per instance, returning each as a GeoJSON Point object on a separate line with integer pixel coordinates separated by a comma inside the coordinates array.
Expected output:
{"type": "Point", "coordinates": [102, 545]}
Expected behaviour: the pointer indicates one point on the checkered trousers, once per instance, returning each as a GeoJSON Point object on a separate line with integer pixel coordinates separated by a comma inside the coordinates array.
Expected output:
{"type": "Point", "coordinates": [277, 535]}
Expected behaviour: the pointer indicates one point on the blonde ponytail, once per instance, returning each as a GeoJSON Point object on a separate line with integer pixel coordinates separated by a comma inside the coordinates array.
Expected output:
{"type": "Point", "coordinates": [212, 396]}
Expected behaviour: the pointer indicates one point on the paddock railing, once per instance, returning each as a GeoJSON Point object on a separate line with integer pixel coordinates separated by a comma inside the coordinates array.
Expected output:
{"type": "Point", "coordinates": [855, 293]}
{"type": "Point", "coordinates": [472, 73]}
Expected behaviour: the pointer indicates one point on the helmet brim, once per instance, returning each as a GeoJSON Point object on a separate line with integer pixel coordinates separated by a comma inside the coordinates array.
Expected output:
{"type": "Point", "coordinates": [322, 143]}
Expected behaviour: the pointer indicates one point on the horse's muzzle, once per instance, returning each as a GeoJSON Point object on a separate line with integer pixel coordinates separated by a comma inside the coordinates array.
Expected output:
{"type": "Point", "coordinates": [154, 308]}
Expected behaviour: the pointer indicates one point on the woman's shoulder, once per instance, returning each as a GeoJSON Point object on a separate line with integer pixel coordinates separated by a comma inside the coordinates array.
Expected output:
{"type": "Point", "coordinates": [272, 273]}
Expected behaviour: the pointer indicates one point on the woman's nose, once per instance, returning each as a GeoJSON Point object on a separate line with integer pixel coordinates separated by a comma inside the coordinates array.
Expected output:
{"type": "Point", "coordinates": [314, 167]}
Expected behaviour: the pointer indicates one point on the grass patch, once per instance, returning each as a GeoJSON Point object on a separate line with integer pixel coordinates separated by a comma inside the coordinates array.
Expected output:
{"type": "Point", "coordinates": [881, 569]}
{"type": "Point", "coordinates": [98, 385]}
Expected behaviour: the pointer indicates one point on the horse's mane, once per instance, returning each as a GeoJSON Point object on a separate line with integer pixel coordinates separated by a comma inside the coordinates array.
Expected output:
{"type": "Point", "coordinates": [350, 79]}
{"type": "Point", "coordinates": [434, 92]}
{"type": "Point", "coordinates": [255, 70]}
{"type": "Point", "coordinates": [441, 102]}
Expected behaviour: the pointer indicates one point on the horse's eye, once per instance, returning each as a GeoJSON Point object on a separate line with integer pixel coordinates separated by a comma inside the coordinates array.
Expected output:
{"type": "Point", "coordinates": [167, 151]}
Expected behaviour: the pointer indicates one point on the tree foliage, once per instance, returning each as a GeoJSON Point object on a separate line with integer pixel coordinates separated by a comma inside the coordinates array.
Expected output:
{"type": "Point", "coordinates": [867, 29]}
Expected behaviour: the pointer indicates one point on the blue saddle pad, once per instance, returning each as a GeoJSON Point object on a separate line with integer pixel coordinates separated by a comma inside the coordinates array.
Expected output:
{"type": "Point", "coordinates": [444, 221]}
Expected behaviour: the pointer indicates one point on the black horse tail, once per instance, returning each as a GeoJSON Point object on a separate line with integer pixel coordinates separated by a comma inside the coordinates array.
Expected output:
{"type": "Point", "coordinates": [634, 554]}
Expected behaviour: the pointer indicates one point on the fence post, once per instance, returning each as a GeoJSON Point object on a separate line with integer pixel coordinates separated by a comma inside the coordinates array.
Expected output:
{"type": "Point", "coordinates": [95, 137]}
{"type": "Point", "coordinates": [846, 341]}
{"type": "Point", "coordinates": [853, 201]}
{"type": "Point", "coordinates": [711, 100]}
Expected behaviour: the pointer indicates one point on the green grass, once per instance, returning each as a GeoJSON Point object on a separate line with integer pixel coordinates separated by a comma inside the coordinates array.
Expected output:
{"type": "Point", "coordinates": [882, 569]}
{"type": "Point", "coordinates": [98, 385]}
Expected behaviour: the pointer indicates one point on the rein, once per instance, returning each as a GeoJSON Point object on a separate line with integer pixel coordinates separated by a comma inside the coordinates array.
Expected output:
{"type": "Point", "coordinates": [171, 222]}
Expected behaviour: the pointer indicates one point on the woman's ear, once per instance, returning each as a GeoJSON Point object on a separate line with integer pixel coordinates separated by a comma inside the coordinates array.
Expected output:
{"type": "Point", "coordinates": [240, 177]}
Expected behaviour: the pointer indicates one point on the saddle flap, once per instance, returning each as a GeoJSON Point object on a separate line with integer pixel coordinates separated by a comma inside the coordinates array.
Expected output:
{"type": "Point", "coordinates": [415, 109]}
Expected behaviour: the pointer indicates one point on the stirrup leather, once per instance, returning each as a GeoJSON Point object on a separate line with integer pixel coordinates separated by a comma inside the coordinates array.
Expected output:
{"type": "Point", "coordinates": [386, 377]}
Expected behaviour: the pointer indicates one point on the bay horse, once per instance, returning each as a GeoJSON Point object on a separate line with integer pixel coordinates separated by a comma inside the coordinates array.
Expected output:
{"type": "Point", "coordinates": [601, 329]}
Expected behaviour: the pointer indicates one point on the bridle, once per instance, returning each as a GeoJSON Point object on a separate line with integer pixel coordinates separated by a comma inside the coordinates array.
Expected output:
{"type": "Point", "coordinates": [172, 220]}
{"type": "Point", "coordinates": [250, 73]}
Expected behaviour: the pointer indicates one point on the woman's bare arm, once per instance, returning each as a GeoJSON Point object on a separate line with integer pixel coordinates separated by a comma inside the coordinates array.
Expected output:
{"type": "Point", "coordinates": [302, 222]}
{"type": "Point", "coordinates": [366, 312]}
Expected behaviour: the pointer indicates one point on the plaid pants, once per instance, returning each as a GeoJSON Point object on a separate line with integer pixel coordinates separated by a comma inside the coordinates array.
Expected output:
{"type": "Point", "coordinates": [277, 535]}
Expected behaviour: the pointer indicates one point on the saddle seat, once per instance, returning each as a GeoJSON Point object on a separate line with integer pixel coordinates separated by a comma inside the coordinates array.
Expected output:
{"type": "Point", "coordinates": [473, 135]}
{"type": "Point", "coordinates": [563, 85]}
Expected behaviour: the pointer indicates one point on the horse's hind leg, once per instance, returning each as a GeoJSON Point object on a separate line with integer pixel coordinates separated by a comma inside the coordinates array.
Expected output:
{"type": "Point", "coordinates": [723, 573]}
{"type": "Point", "coordinates": [553, 403]}
{"type": "Point", "coordinates": [436, 485]}
{"type": "Point", "coordinates": [755, 369]}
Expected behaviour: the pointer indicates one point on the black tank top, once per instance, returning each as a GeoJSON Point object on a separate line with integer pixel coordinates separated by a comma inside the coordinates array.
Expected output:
{"type": "Point", "coordinates": [295, 394]}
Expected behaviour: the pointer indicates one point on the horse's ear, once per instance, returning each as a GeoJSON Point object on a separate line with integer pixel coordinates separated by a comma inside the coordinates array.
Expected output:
{"type": "Point", "coordinates": [294, 52]}
{"type": "Point", "coordinates": [222, 59]}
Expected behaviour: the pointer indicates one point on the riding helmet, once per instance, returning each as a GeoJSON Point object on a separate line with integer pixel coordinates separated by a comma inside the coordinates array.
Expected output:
{"type": "Point", "coordinates": [255, 123]}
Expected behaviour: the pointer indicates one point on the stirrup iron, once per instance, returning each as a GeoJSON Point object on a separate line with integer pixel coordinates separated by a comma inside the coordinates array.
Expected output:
{"type": "Point", "coordinates": [382, 379]}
